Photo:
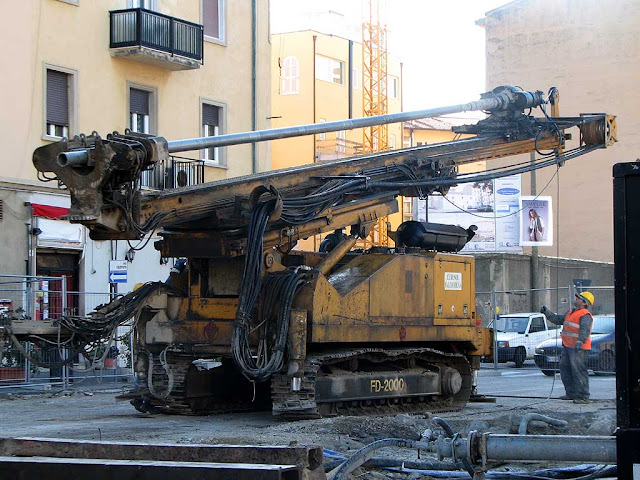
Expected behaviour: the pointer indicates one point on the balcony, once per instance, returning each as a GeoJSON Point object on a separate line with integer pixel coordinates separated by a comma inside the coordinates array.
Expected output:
{"type": "Point", "coordinates": [176, 173]}
{"type": "Point", "coordinates": [150, 37]}
{"type": "Point", "coordinates": [337, 148]}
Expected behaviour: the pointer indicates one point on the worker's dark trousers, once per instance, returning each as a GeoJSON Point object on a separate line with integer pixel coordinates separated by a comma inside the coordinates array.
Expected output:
{"type": "Point", "coordinates": [573, 372]}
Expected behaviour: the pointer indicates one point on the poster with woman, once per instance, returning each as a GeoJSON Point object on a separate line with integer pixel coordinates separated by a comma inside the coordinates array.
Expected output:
{"type": "Point", "coordinates": [536, 222]}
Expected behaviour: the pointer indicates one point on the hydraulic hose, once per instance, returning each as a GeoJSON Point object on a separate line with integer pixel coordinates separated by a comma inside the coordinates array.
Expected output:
{"type": "Point", "coordinates": [365, 453]}
{"type": "Point", "coordinates": [524, 423]}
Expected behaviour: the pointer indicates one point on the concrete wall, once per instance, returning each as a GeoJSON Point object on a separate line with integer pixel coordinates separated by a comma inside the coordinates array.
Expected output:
{"type": "Point", "coordinates": [504, 272]}
{"type": "Point", "coordinates": [590, 50]}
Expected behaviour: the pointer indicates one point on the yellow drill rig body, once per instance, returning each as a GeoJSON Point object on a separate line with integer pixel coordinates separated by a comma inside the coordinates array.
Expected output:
{"type": "Point", "coordinates": [247, 320]}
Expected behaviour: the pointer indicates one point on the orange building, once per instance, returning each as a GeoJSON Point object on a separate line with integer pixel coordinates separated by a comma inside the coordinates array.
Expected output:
{"type": "Point", "coordinates": [318, 78]}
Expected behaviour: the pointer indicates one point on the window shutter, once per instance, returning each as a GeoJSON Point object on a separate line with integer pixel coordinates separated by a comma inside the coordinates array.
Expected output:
{"type": "Point", "coordinates": [139, 101]}
{"type": "Point", "coordinates": [57, 98]}
{"type": "Point", "coordinates": [210, 115]}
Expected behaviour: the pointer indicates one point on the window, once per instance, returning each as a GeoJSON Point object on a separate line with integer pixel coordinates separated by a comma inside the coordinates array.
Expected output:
{"type": "Point", "coordinates": [59, 102]}
{"type": "Point", "coordinates": [355, 78]}
{"type": "Point", "coordinates": [407, 209]}
{"type": "Point", "coordinates": [322, 136]}
{"type": "Point", "coordinates": [139, 110]}
{"type": "Point", "coordinates": [341, 141]}
{"type": "Point", "coordinates": [212, 19]}
{"type": "Point", "coordinates": [211, 126]}
{"type": "Point", "coordinates": [537, 325]}
{"type": "Point", "coordinates": [290, 76]}
{"type": "Point", "coordinates": [392, 141]}
{"type": "Point", "coordinates": [395, 87]}
{"type": "Point", "coordinates": [147, 4]}
{"type": "Point", "coordinates": [329, 70]}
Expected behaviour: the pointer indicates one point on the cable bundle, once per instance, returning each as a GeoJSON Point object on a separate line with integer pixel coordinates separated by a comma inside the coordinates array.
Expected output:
{"type": "Point", "coordinates": [276, 298]}
{"type": "Point", "coordinates": [104, 320]}
{"type": "Point", "coordinates": [276, 294]}
{"type": "Point", "coordinates": [300, 210]}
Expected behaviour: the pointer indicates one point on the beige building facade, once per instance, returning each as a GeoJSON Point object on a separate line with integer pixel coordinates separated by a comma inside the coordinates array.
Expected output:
{"type": "Point", "coordinates": [179, 69]}
{"type": "Point", "coordinates": [590, 51]}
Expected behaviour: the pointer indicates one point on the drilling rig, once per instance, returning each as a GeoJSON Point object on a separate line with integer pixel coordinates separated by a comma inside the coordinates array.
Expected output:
{"type": "Point", "coordinates": [308, 333]}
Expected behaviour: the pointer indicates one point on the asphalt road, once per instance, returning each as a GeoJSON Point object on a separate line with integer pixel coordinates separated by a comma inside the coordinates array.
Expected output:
{"type": "Point", "coordinates": [529, 381]}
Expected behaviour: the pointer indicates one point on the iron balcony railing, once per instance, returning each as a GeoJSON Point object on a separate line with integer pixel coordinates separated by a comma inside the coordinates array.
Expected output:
{"type": "Point", "coordinates": [175, 173]}
{"type": "Point", "coordinates": [140, 27]}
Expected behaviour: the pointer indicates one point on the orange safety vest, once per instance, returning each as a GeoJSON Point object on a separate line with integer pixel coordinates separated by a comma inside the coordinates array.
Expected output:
{"type": "Point", "coordinates": [571, 329]}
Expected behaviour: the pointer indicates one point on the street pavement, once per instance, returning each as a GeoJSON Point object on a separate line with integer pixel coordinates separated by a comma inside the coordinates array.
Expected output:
{"type": "Point", "coordinates": [529, 381]}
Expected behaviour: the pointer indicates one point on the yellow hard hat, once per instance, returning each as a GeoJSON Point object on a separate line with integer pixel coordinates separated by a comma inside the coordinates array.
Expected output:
{"type": "Point", "coordinates": [586, 296]}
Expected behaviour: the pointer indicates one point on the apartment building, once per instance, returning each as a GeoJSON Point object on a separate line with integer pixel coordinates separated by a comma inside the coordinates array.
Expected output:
{"type": "Point", "coordinates": [317, 78]}
{"type": "Point", "coordinates": [177, 69]}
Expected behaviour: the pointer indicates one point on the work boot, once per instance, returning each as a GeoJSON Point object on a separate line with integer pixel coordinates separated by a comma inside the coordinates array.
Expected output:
{"type": "Point", "coordinates": [582, 401]}
{"type": "Point", "coordinates": [565, 397]}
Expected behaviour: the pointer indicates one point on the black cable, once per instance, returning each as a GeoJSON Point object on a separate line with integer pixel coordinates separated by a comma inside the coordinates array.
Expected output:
{"type": "Point", "coordinates": [480, 177]}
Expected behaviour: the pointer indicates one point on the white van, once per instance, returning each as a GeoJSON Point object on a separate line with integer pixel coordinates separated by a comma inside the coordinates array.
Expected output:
{"type": "Point", "coordinates": [518, 334]}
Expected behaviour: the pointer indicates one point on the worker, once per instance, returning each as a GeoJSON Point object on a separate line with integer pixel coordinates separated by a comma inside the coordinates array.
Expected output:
{"type": "Point", "coordinates": [576, 343]}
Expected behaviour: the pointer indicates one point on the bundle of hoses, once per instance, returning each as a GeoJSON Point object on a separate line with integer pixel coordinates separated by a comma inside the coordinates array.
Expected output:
{"type": "Point", "coordinates": [101, 323]}
{"type": "Point", "coordinates": [276, 298]}
{"type": "Point", "coordinates": [98, 326]}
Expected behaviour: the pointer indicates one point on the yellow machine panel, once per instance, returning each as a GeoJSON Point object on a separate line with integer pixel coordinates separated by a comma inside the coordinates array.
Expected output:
{"type": "Point", "coordinates": [395, 298]}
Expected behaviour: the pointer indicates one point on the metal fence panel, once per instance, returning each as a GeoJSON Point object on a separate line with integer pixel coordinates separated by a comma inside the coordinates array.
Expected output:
{"type": "Point", "coordinates": [46, 298]}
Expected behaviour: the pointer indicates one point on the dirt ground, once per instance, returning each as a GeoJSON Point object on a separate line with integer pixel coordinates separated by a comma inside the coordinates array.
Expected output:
{"type": "Point", "coordinates": [96, 415]}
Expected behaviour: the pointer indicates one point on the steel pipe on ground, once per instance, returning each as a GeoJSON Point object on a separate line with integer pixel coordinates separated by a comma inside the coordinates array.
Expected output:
{"type": "Point", "coordinates": [568, 448]}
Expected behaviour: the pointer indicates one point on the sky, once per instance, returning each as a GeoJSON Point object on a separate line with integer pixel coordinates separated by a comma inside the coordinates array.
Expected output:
{"type": "Point", "coordinates": [439, 43]}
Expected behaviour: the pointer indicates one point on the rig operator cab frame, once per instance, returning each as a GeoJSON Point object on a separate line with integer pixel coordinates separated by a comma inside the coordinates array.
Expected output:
{"type": "Point", "coordinates": [311, 333]}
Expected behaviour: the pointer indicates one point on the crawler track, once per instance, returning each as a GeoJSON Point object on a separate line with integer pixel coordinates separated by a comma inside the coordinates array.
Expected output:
{"type": "Point", "coordinates": [196, 392]}
{"type": "Point", "coordinates": [304, 405]}
{"type": "Point", "coordinates": [193, 392]}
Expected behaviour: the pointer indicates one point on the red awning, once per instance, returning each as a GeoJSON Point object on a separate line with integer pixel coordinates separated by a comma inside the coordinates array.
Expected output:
{"type": "Point", "coordinates": [48, 211]}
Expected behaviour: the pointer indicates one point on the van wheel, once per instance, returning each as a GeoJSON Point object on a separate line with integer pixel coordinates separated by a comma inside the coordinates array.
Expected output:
{"type": "Point", "coordinates": [519, 357]}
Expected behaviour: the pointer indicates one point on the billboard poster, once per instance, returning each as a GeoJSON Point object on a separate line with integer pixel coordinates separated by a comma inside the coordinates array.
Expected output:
{"type": "Point", "coordinates": [507, 201]}
{"type": "Point", "coordinates": [491, 205]}
{"type": "Point", "coordinates": [536, 222]}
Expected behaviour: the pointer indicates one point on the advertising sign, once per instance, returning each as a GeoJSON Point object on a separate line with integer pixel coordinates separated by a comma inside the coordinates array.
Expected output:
{"type": "Point", "coordinates": [491, 205]}
{"type": "Point", "coordinates": [536, 222]}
